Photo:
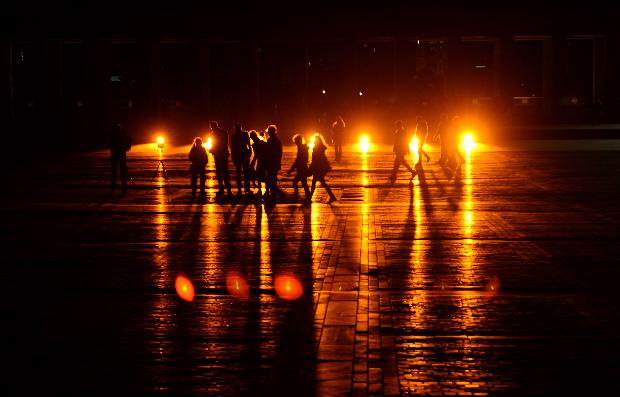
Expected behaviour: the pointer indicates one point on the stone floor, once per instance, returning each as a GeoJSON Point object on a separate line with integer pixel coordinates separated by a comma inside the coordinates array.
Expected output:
{"type": "Point", "coordinates": [498, 279]}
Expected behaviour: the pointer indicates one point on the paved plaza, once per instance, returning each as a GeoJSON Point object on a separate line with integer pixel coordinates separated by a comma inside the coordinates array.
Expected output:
{"type": "Point", "coordinates": [498, 279]}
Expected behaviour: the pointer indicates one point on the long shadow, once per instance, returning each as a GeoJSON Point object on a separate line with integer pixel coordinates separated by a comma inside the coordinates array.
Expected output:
{"type": "Point", "coordinates": [294, 367]}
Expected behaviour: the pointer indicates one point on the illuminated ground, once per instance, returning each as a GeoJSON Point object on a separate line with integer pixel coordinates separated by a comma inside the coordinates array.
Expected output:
{"type": "Point", "coordinates": [500, 279]}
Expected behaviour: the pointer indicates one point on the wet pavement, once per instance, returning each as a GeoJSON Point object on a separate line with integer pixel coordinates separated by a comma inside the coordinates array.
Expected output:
{"type": "Point", "coordinates": [498, 279]}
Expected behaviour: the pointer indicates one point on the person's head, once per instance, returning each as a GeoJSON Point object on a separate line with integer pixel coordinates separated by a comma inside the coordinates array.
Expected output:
{"type": "Point", "coordinates": [298, 139]}
{"type": "Point", "coordinates": [319, 141]}
{"type": "Point", "coordinates": [238, 127]}
{"type": "Point", "coordinates": [272, 130]}
{"type": "Point", "coordinates": [253, 136]}
{"type": "Point", "coordinates": [197, 141]}
{"type": "Point", "coordinates": [262, 133]}
{"type": "Point", "coordinates": [398, 124]}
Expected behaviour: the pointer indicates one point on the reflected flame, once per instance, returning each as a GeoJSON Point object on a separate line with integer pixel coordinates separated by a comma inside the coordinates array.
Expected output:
{"type": "Point", "coordinates": [288, 287]}
{"type": "Point", "coordinates": [364, 143]}
{"type": "Point", "coordinates": [492, 287]}
{"type": "Point", "coordinates": [237, 285]}
{"type": "Point", "coordinates": [160, 140]}
{"type": "Point", "coordinates": [311, 144]}
{"type": "Point", "coordinates": [184, 287]}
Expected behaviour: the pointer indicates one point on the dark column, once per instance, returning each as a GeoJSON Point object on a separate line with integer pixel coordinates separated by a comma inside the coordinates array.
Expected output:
{"type": "Point", "coordinates": [204, 77]}
{"type": "Point", "coordinates": [53, 106]}
{"type": "Point", "coordinates": [548, 77]}
{"type": "Point", "coordinates": [153, 56]}
{"type": "Point", "coordinates": [6, 83]}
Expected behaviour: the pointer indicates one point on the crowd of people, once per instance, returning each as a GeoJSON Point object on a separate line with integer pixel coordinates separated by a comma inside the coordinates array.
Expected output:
{"type": "Point", "coordinates": [257, 157]}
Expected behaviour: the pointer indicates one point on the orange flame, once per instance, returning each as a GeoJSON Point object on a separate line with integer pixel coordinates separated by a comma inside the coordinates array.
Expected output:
{"type": "Point", "coordinates": [288, 287]}
{"type": "Point", "coordinates": [184, 288]}
{"type": "Point", "coordinates": [237, 285]}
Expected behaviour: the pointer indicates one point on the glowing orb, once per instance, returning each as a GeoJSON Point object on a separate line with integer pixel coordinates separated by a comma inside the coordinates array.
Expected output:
{"type": "Point", "coordinates": [413, 145]}
{"type": "Point", "coordinates": [288, 287]}
{"type": "Point", "coordinates": [208, 144]}
{"type": "Point", "coordinates": [237, 285]}
{"type": "Point", "coordinates": [160, 140]}
{"type": "Point", "coordinates": [468, 142]}
{"type": "Point", "coordinates": [311, 144]}
{"type": "Point", "coordinates": [492, 287]}
{"type": "Point", "coordinates": [184, 288]}
{"type": "Point", "coordinates": [364, 143]}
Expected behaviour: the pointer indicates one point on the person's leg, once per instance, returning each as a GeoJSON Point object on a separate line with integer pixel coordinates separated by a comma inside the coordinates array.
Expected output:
{"type": "Point", "coordinates": [193, 178]}
{"type": "Point", "coordinates": [123, 168]}
{"type": "Point", "coordinates": [332, 197]}
{"type": "Point", "coordinates": [304, 183]}
{"type": "Point", "coordinates": [203, 179]}
{"type": "Point", "coordinates": [226, 175]}
{"type": "Point", "coordinates": [114, 162]}
{"type": "Point", "coordinates": [238, 175]}
{"type": "Point", "coordinates": [246, 174]}
{"type": "Point", "coordinates": [395, 168]}
{"type": "Point", "coordinates": [220, 175]}
{"type": "Point", "coordinates": [296, 180]}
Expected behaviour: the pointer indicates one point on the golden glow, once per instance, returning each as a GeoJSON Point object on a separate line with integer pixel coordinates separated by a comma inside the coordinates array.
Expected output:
{"type": "Point", "coordinates": [160, 140]}
{"type": "Point", "coordinates": [468, 143]}
{"type": "Point", "coordinates": [208, 144]}
{"type": "Point", "coordinates": [364, 143]}
{"type": "Point", "coordinates": [288, 287]}
{"type": "Point", "coordinates": [184, 288]}
{"type": "Point", "coordinates": [413, 145]}
{"type": "Point", "coordinates": [237, 285]}
{"type": "Point", "coordinates": [311, 144]}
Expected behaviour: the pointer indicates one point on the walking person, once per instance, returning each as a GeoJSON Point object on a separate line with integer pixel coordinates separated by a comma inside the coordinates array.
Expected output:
{"type": "Point", "coordinates": [199, 159]}
{"type": "Point", "coordinates": [421, 132]}
{"type": "Point", "coordinates": [319, 167]}
{"type": "Point", "coordinates": [401, 149]}
{"type": "Point", "coordinates": [455, 158]}
{"type": "Point", "coordinates": [241, 152]}
{"type": "Point", "coordinates": [301, 166]}
{"type": "Point", "coordinates": [120, 144]}
{"type": "Point", "coordinates": [219, 149]}
{"type": "Point", "coordinates": [442, 133]}
{"type": "Point", "coordinates": [338, 127]}
{"type": "Point", "coordinates": [274, 162]}
{"type": "Point", "coordinates": [259, 148]}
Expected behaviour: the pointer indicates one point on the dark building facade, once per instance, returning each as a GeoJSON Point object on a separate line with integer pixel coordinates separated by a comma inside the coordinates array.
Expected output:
{"type": "Point", "coordinates": [66, 80]}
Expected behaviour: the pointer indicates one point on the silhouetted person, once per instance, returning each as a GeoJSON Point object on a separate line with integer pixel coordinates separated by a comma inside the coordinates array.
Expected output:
{"type": "Point", "coordinates": [454, 134]}
{"type": "Point", "coordinates": [320, 166]}
{"type": "Point", "coordinates": [274, 161]}
{"type": "Point", "coordinates": [219, 149]}
{"type": "Point", "coordinates": [401, 149]}
{"type": "Point", "coordinates": [443, 134]}
{"type": "Point", "coordinates": [241, 151]}
{"type": "Point", "coordinates": [338, 136]}
{"type": "Point", "coordinates": [199, 159]}
{"type": "Point", "coordinates": [421, 132]}
{"type": "Point", "coordinates": [259, 147]}
{"type": "Point", "coordinates": [120, 144]}
{"type": "Point", "coordinates": [301, 166]}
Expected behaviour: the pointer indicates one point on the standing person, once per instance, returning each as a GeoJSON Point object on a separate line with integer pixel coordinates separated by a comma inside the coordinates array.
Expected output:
{"type": "Point", "coordinates": [337, 136]}
{"type": "Point", "coordinates": [219, 149]}
{"type": "Point", "coordinates": [421, 132]}
{"type": "Point", "coordinates": [241, 152]}
{"type": "Point", "coordinates": [401, 149]}
{"type": "Point", "coordinates": [259, 147]}
{"type": "Point", "coordinates": [199, 159]}
{"type": "Point", "coordinates": [320, 166]}
{"type": "Point", "coordinates": [120, 144]}
{"type": "Point", "coordinates": [274, 161]}
{"type": "Point", "coordinates": [301, 166]}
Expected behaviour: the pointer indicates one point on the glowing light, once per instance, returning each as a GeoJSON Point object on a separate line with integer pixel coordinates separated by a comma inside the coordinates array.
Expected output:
{"type": "Point", "coordinates": [288, 287]}
{"type": "Point", "coordinates": [492, 287]}
{"type": "Point", "coordinates": [237, 285]}
{"type": "Point", "coordinates": [208, 144]}
{"type": "Point", "coordinates": [364, 143]}
{"type": "Point", "coordinates": [413, 145]}
{"type": "Point", "coordinates": [468, 142]}
{"type": "Point", "coordinates": [160, 142]}
{"type": "Point", "coordinates": [361, 93]}
{"type": "Point", "coordinates": [323, 91]}
{"type": "Point", "coordinates": [311, 144]}
{"type": "Point", "coordinates": [184, 287]}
